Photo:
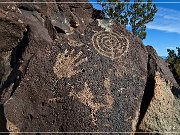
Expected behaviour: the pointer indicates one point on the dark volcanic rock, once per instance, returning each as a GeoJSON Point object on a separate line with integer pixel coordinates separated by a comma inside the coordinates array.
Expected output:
{"type": "Point", "coordinates": [11, 34]}
{"type": "Point", "coordinates": [63, 71]}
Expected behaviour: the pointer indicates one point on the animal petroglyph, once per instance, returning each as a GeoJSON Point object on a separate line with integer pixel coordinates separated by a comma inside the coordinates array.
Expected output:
{"type": "Point", "coordinates": [74, 43]}
{"type": "Point", "coordinates": [66, 63]}
{"type": "Point", "coordinates": [86, 97]}
{"type": "Point", "coordinates": [110, 44]}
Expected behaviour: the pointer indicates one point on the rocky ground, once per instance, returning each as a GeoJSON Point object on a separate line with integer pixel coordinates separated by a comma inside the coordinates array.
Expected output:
{"type": "Point", "coordinates": [64, 69]}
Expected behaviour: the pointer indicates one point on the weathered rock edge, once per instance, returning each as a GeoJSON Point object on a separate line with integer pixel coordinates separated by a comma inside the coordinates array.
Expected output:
{"type": "Point", "coordinates": [100, 94]}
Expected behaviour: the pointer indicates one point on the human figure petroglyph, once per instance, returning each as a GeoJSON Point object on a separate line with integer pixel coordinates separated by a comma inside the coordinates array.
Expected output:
{"type": "Point", "coordinates": [66, 63]}
{"type": "Point", "coordinates": [86, 97]}
{"type": "Point", "coordinates": [108, 96]}
{"type": "Point", "coordinates": [110, 44]}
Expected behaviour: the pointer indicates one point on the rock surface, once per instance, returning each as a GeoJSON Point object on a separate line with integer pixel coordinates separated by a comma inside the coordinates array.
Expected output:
{"type": "Point", "coordinates": [62, 70]}
{"type": "Point", "coordinates": [162, 114]}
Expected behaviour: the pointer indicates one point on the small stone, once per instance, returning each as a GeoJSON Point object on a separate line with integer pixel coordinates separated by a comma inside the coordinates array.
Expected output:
{"type": "Point", "coordinates": [20, 21]}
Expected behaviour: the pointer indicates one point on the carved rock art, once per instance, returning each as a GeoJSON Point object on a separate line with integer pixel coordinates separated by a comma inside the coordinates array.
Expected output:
{"type": "Point", "coordinates": [12, 128]}
{"type": "Point", "coordinates": [54, 100]}
{"type": "Point", "coordinates": [110, 44]}
{"type": "Point", "coordinates": [66, 63]}
{"type": "Point", "coordinates": [108, 96]}
{"type": "Point", "coordinates": [74, 43]}
{"type": "Point", "coordinates": [86, 97]}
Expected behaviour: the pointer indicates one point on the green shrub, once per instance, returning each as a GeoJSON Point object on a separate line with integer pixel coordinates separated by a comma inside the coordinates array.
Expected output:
{"type": "Point", "coordinates": [174, 62]}
{"type": "Point", "coordinates": [136, 14]}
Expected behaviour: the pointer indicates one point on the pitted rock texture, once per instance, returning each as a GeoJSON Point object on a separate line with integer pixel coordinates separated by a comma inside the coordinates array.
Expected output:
{"type": "Point", "coordinates": [164, 109]}
{"type": "Point", "coordinates": [65, 71]}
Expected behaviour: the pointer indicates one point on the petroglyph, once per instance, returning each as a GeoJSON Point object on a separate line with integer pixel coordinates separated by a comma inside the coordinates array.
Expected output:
{"type": "Point", "coordinates": [121, 68]}
{"type": "Point", "coordinates": [86, 97]}
{"type": "Point", "coordinates": [121, 71]}
{"type": "Point", "coordinates": [66, 63]}
{"type": "Point", "coordinates": [12, 128]}
{"type": "Point", "coordinates": [108, 96]}
{"type": "Point", "coordinates": [110, 44]}
{"type": "Point", "coordinates": [54, 100]}
{"type": "Point", "coordinates": [74, 43]}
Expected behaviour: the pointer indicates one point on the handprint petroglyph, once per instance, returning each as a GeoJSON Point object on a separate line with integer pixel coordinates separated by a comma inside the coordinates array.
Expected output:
{"type": "Point", "coordinates": [66, 63]}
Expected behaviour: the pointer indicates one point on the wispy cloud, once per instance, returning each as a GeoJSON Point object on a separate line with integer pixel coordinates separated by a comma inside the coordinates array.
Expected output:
{"type": "Point", "coordinates": [167, 20]}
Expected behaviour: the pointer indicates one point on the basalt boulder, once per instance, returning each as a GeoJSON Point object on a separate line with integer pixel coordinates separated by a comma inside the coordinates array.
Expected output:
{"type": "Point", "coordinates": [70, 72]}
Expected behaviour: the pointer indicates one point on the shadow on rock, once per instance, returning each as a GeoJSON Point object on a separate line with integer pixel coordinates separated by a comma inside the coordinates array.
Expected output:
{"type": "Point", "coordinates": [2, 120]}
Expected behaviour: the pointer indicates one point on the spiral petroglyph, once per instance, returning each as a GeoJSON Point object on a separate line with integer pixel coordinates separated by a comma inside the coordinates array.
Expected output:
{"type": "Point", "coordinates": [110, 44]}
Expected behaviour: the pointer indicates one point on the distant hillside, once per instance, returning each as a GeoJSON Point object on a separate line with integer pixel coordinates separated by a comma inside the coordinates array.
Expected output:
{"type": "Point", "coordinates": [164, 57]}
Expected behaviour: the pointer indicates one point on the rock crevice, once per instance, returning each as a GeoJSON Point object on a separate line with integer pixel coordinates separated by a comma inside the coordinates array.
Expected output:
{"type": "Point", "coordinates": [148, 92]}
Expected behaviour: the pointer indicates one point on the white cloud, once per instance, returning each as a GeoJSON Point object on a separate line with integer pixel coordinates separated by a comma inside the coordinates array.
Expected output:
{"type": "Point", "coordinates": [167, 20]}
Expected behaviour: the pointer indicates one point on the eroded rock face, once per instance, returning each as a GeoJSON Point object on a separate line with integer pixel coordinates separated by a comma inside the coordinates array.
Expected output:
{"type": "Point", "coordinates": [11, 34]}
{"type": "Point", "coordinates": [71, 73]}
{"type": "Point", "coordinates": [164, 110]}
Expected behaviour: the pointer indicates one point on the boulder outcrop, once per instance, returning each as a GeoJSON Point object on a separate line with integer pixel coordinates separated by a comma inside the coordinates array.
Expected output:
{"type": "Point", "coordinates": [64, 70]}
{"type": "Point", "coordinates": [162, 112]}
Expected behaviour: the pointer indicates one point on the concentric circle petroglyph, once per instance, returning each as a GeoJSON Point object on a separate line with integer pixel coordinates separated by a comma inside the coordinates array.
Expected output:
{"type": "Point", "coordinates": [110, 44]}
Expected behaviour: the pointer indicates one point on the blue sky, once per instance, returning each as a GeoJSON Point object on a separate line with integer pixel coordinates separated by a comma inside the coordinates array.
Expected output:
{"type": "Point", "coordinates": [164, 31]}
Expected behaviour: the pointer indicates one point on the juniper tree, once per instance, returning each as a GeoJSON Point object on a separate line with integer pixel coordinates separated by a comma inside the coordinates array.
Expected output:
{"type": "Point", "coordinates": [136, 14]}
{"type": "Point", "coordinates": [116, 9]}
{"type": "Point", "coordinates": [174, 63]}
